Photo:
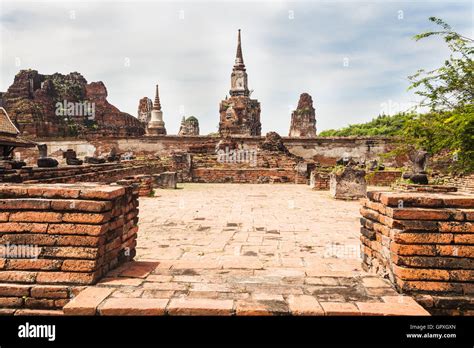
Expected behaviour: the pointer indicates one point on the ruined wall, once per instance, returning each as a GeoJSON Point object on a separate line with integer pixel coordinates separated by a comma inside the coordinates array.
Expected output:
{"type": "Point", "coordinates": [105, 173]}
{"type": "Point", "coordinates": [424, 243]}
{"type": "Point", "coordinates": [69, 235]}
{"type": "Point", "coordinates": [324, 150]}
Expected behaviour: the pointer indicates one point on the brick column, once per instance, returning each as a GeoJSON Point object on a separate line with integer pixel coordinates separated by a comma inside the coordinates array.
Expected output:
{"type": "Point", "coordinates": [55, 237]}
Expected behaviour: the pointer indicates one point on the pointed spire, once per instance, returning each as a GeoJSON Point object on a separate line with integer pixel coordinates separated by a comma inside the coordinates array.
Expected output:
{"type": "Point", "coordinates": [239, 59]}
{"type": "Point", "coordinates": [156, 104]}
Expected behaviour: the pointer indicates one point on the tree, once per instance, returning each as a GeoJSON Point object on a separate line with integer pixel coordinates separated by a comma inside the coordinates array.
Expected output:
{"type": "Point", "coordinates": [452, 85]}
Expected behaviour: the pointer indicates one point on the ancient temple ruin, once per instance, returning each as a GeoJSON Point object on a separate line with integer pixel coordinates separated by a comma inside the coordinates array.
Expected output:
{"type": "Point", "coordinates": [239, 115]}
{"type": "Point", "coordinates": [156, 126]}
{"type": "Point", "coordinates": [189, 126]}
{"type": "Point", "coordinates": [303, 119]}
{"type": "Point", "coordinates": [145, 105]}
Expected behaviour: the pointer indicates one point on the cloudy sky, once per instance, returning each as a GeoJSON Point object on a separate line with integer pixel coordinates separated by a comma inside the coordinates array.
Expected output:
{"type": "Point", "coordinates": [353, 57]}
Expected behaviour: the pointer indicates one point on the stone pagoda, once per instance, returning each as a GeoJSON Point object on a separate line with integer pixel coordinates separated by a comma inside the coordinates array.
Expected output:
{"type": "Point", "coordinates": [156, 126]}
{"type": "Point", "coordinates": [239, 115]}
{"type": "Point", "coordinates": [189, 126]}
{"type": "Point", "coordinates": [303, 119]}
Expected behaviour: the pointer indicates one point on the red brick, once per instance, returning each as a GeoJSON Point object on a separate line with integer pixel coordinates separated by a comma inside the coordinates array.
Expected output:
{"type": "Point", "coordinates": [17, 277]}
{"type": "Point", "coordinates": [418, 214]}
{"type": "Point", "coordinates": [37, 239]}
{"type": "Point", "coordinates": [65, 278]}
{"type": "Point", "coordinates": [133, 306]}
{"type": "Point", "coordinates": [11, 302]}
{"type": "Point", "coordinates": [4, 216]}
{"type": "Point", "coordinates": [82, 218]}
{"type": "Point", "coordinates": [23, 227]}
{"type": "Point", "coordinates": [422, 238]}
{"type": "Point", "coordinates": [340, 308]}
{"type": "Point", "coordinates": [382, 308]}
{"type": "Point", "coordinates": [33, 264]}
{"type": "Point", "coordinates": [71, 252]}
{"type": "Point", "coordinates": [454, 226]}
{"type": "Point", "coordinates": [53, 191]}
{"type": "Point", "coordinates": [49, 291]}
{"type": "Point", "coordinates": [464, 239]}
{"type": "Point", "coordinates": [405, 273]}
{"type": "Point", "coordinates": [39, 303]}
{"type": "Point", "coordinates": [413, 249]}
{"type": "Point", "coordinates": [92, 230]}
{"type": "Point", "coordinates": [102, 193]}
{"type": "Point", "coordinates": [29, 216]}
{"type": "Point", "coordinates": [81, 205]}
{"type": "Point", "coordinates": [14, 290]}
{"type": "Point", "coordinates": [25, 204]}
{"type": "Point", "coordinates": [304, 305]}
{"type": "Point", "coordinates": [456, 250]}
{"type": "Point", "coordinates": [87, 301]}
{"type": "Point", "coordinates": [184, 306]}
{"type": "Point", "coordinates": [87, 241]}
{"type": "Point", "coordinates": [79, 265]}
{"type": "Point", "coordinates": [430, 286]}
{"type": "Point", "coordinates": [252, 308]}
{"type": "Point", "coordinates": [39, 312]}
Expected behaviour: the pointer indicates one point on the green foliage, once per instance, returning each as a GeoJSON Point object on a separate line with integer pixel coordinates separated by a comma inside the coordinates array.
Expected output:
{"type": "Point", "coordinates": [382, 125]}
{"type": "Point", "coordinates": [452, 85]}
{"type": "Point", "coordinates": [448, 92]}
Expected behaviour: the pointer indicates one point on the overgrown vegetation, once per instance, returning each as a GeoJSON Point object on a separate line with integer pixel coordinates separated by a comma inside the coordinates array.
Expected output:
{"type": "Point", "coordinates": [448, 92]}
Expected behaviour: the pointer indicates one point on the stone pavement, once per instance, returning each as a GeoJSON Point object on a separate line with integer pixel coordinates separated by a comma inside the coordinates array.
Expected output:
{"type": "Point", "coordinates": [238, 249]}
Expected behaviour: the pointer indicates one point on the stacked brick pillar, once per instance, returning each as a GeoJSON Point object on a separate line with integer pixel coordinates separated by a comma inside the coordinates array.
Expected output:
{"type": "Point", "coordinates": [424, 242]}
{"type": "Point", "coordinates": [54, 238]}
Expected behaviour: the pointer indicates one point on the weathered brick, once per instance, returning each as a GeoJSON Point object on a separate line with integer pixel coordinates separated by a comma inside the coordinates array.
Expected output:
{"type": "Point", "coordinates": [434, 262]}
{"type": "Point", "coordinates": [39, 312]}
{"type": "Point", "coordinates": [80, 240]}
{"type": "Point", "coordinates": [340, 308]}
{"type": "Point", "coordinates": [18, 227]}
{"type": "Point", "coordinates": [79, 265]}
{"type": "Point", "coordinates": [133, 306]}
{"type": "Point", "coordinates": [17, 277]}
{"type": "Point", "coordinates": [418, 214]}
{"type": "Point", "coordinates": [25, 204]}
{"type": "Point", "coordinates": [82, 218]}
{"type": "Point", "coordinates": [81, 205]}
{"type": "Point", "coordinates": [4, 216]}
{"type": "Point", "coordinates": [53, 191]}
{"type": "Point", "coordinates": [33, 264]}
{"type": "Point", "coordinates": [383, 308]}
{"type": "Point", "coordinates": [92, 230]}
{"type": "Point", "coordinates": [49, 291]}
{"type": "Point", "coordinates": [405, 273]}
{"type": "Point", "coordinates": [464, 239]}
{"type": "Point", "coordinates": [304, 305]}
{"type": "Point", "coordinates": [87, 301]}
{"type": "Point", "coordinates": [38, 239]}
{"type": "Point", "coordinates": [184, 306]}
{"type": "Point", "coordinates": [11, 302]}
{"type": "Point", "coordinates": [30, 216]}
{"type": "Point", "coordinates": [39, 303]}
{"type": "Point", "coordinates": [422, 238]}
{"type": "Point", "coordinates": [66, 278]}
{"type": "Point", "coordinates": [431, 286]}
{"type": "Point", "coordinates": [17, 290]}
{"type": "Point", "coordinates": [71, 252]}
{"type": "Point", "coordinates": [454, 226]}
{"type": "Point", "coordinates": [102, 192]}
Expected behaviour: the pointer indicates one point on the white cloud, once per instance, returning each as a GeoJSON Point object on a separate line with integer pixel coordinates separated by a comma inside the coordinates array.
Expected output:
{"type": "Point", "coordinates": [192, 58]}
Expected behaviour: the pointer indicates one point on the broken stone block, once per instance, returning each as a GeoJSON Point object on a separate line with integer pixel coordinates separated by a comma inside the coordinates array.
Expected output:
{"type": "Point", "coordinates": [167, 180]}
{"type": "Point", "coordinates": [94, 160]}
{"type": "Point", "coordinates": [47, 162]}
{"type": "Point", "coordinates": [348, 183]}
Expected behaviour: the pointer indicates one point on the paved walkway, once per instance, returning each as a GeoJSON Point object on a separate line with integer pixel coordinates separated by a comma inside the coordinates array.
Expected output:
{"type": "Point", "coordinates": [223, 249]}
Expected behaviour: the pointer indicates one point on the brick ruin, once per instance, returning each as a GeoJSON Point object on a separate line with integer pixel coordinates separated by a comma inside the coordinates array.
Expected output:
{"type": "Point", "coordinates": [57, 238]}
{"type": "Point", "coordinates": [303, 119]}
{"type": "Point", "coordinates": [189, 126]}
{"type": "Point", "coordinates": [424, 243]}
{"type": "Point", "coordinates": [58, 105]}
{"type": "Point", "coordinates": [239, 114]}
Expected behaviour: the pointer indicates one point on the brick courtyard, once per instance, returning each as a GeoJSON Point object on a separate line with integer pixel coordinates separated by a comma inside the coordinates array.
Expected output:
{"type": "Point", "coordinates": [223, 249]}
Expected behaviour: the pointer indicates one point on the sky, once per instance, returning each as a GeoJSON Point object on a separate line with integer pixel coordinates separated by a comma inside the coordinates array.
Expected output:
{"type": "Point", "coordinates": [353, 57]}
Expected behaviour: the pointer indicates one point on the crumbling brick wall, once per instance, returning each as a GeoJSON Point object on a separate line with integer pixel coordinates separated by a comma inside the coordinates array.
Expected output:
{"type": "Point", "coordinates": [424, 243]}
{"type": "Point", "coordinates": [69, 235]}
